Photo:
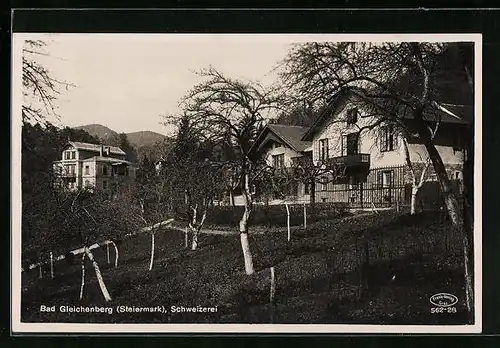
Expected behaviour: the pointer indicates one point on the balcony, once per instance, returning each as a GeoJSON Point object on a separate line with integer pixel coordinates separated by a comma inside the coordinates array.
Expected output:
{"type": "Point", "coordinates": [358, 160]}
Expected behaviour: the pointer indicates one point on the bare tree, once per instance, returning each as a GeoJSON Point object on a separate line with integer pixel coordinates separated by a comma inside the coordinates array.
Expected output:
{"type": "Point", "coordinates": [231, 112]}
{"type": "Point", "coordinates": [202, 187]}
{"type": "Point", "coordinates": [393, 81]}
{"type": "Point", "coordinates": [150, 193]}
{"type": "Point", "coordinates": [40, 88]}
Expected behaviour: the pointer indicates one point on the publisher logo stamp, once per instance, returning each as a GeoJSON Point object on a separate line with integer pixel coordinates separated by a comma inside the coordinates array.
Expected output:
{"type": "Point", "coordinates": [443, 303]}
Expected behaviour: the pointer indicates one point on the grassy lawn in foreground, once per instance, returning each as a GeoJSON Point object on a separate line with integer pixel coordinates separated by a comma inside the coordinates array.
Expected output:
{"type": "Point", "coordinates": [378, 268]}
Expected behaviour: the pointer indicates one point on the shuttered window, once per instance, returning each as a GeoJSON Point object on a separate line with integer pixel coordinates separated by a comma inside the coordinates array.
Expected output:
{"type": "Point", "coordinates": [323, 150]}
{"type": "Point", "coordinates": [388, 138]}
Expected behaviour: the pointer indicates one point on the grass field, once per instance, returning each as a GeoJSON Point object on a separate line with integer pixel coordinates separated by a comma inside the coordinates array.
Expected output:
{"type": "Point", "coordinates": [376, 268]}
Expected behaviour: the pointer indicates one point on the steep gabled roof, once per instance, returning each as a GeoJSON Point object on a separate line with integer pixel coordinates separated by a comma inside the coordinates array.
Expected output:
{"type": "Point", "coordinates": [445, 113]}
{"type": "Point", "coordinates": [290, 135]}
{"type": "Point", "coordinates": [95, 147]}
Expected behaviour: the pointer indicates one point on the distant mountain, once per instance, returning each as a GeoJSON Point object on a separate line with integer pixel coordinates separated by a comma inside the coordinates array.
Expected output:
{"type": "Point", "coordinates": [144, 138]}
{"type": "Point", "coordinates": [98, 130]}
{"type": "Point", "coordinates": [136, 139]}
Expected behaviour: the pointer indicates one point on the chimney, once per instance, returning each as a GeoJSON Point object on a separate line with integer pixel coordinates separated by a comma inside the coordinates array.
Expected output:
{"type": "Point", "coordinates": [101, 150]}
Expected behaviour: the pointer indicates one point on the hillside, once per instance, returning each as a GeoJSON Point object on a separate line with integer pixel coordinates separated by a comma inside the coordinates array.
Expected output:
{"type": "Point", "coordinates": [98, 130]}
{"type": "Point", "coordinates": [144, 138]}
{"type": "Point", "coordinates": [137, 139]}
{"type": "Point", "coordinates": [323, 276]}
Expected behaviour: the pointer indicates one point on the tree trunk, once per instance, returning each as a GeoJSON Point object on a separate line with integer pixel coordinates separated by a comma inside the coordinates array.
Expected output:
{"type": "Point", "coordinates": [413, 202]}
{"type": "Point", "coordinates": [245, 246]}
{"type": "Point", "coordinates": [231, 198]}
{"type": "Point", "coordinates": [468, 208]}
{"type": "Point", "coordinates": [450, 199]}
{"type": "Point", "coordinates": [312, 194]}
{"type": "Point", "coordinates": [98, 274]}
{"type": "Point", "coordinates": [247, 255]}
{"type": "Point", "coordinates": [152, 251]}
{"type": "Point", "coordinates": [194, 244]}
{"type": "Point", "coordinates": [83, 277]}
{"type": "Point", "coordinates": [469, 288]}
{"type": "Point", "coordinates": [51, 265]}
{"type": "Point", "coordinates": [186, 239]}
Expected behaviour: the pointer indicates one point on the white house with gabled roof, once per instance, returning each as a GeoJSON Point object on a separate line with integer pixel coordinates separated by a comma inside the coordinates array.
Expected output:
{"type": "Point", "coordinates": [92, 166]}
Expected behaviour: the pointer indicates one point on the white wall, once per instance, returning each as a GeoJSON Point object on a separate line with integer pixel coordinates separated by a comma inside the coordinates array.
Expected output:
{"type": "Point", "coordinates": [283, 149]}
{"type": "Point", "coordinates": [369, 143]}
{"type": "Point", "coordinates": [337, 127]}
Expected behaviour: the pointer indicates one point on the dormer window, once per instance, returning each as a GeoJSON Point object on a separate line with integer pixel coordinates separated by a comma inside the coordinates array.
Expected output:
{"type": "Point", "coordinates": [352, 116]}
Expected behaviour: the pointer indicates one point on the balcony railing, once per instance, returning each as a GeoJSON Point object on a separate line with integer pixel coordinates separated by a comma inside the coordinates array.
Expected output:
{"type": "Point", "coordinates": [354, 160]}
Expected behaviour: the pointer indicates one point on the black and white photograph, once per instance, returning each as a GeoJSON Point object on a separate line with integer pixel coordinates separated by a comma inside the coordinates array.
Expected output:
{"type": "Point", "coordinates": [246, 183]}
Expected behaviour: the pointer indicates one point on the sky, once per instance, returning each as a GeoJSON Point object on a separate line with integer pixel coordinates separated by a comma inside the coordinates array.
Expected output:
{"type": "Point", "coordinates": [126, 82]}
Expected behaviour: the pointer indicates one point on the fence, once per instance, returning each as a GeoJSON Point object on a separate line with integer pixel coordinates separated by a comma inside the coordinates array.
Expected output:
{"type": "Point", "coordinates": [384, 187]}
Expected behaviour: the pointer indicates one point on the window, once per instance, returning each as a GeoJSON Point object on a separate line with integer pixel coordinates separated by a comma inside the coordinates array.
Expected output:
{"type": "Point", "coordinates": [388, 139]}
{"type": "Point", "coordinates": [324, 183]}
{"type": "Point", "coordinates": [352, 116]}
{"type": "Point", "coordinates": [104, 184]}
{"type": "Point", "coordinates": [307, 188]}
{"type": "Point", "coordinates": [104, 170]}
{"type": "Point", "coordinates": [87, 170]}
{"type": "Point", "coordinates": [350, 144]}
{"type": "Point", "coordinates": [70, 169]}
{"type": "Point", "coordinates": [67, 155]}
{"type": "Point", "coordinates": [87, 183]}
{"type": "Point", "coordinates": [457, 175]}
{"type": "Point", "coordinates": [279, 161]}
{"type": "Point", "coordinates": [73, 154]}
{"type": "Point", "coordinates": [323, 150]}
{"type": "Point", "coordinates": [385, 178]}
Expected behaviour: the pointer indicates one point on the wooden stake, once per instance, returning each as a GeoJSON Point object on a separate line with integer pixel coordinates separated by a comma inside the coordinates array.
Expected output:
{"type": "Point", "coordinates": [152, 251]}
{"type": "Point", "coordinates": [51, 265]}
{"type": "Point", "coordinates": [40, 273]}
{"type": "Point", "coordinates": [107, 251]}
{"type": "Point", "coordinates": [116, 251]}
{"type": "Point", "coordinates": [305, 216]}
{"type": "Point", "coordinates": [83, 277]}
{"type": "Point", "coordinates": [288, 220]}
{"type": "Point", "coordinates": [273, 286]}
{"type": "Point", "coordinates": [272, 293]}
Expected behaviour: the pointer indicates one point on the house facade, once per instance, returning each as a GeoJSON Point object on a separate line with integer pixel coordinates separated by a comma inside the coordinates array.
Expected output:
{"type": "Point", "coordinates": [84, 165]}
{"type": "Point", "coordinates": [281, 146]}
{"type": "Point", "coordinates": [369, 156]}
{"type": "Point", "coordinates": [361, 160]}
